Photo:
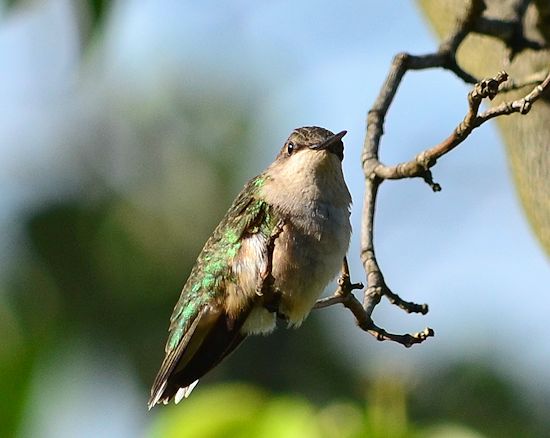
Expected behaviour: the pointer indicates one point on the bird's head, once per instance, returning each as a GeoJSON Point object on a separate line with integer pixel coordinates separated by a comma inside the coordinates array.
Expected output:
{"type": "Point", "coordinates": [308, 154]}
{"type": "Point", "coordinates": [312, 141]}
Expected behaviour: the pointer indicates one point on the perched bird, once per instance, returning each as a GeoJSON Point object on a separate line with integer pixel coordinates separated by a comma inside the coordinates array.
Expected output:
{"type": "Point", "coordinates": [279, 245]}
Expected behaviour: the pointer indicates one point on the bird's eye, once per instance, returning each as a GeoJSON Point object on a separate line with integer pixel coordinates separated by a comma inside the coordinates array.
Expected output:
{"type": "Point", "coordinates": [291, 147]}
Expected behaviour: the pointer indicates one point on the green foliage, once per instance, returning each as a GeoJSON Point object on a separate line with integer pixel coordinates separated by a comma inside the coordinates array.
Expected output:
{"type": "Point", "coordinates": [245, 412]}
{"type": "Point", "coordinates": [15, 379]}
{"type": "Point", "coordinates": [387, 410]}
{"type": "Point", "coordinates": [97, 9]}
{"type": "Point", "coordinates": [242, 411]}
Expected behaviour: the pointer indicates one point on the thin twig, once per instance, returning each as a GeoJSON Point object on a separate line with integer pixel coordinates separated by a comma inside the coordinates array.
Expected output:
{"type": "Point", "coordinates": [529, 80]}
{"type": "Point", "coordinates": [376, 173]}
{"type": "Point", "coordinates": [344, 295]}
{"type": "Point", "coordinates": [522, 106]}
{"type": "Point", "coordinates": [444, 57]}
{"type": "Point", "coordinates": [487, 88]}
{"type": "Point", "coordinates": [421, 164]}
{"type": "Point", "coordinates": [345, 288]}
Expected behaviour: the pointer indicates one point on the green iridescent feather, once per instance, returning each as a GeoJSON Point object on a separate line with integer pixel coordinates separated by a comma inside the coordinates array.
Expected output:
{"type": "Point", "coordinates": [247, 215]}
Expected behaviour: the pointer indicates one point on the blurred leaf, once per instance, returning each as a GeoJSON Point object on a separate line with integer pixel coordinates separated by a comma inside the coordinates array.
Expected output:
{"type": "Point", "coordinates": [287, 417]}
{"type": "Point", "coordinates": [387, 409]}
{"type": "Point", "coordinates": [222, 411]}
{"type": "Point", "coordinates": [15, 380]}
{"type": "Point", "coordinates": [450, 431]}
{"type": "Point", "coordinates": [342, 419]}
{"type": "Point", "coordinates": [94, 11]}
{"type": "Point", "coordinates": [97, 9]}
{"type": "Point", "coordinates": [234, 410]}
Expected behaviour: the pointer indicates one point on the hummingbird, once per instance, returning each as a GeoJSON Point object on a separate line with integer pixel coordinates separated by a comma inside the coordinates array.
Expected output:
{"type": "Point", "coordinates": [270, 258]}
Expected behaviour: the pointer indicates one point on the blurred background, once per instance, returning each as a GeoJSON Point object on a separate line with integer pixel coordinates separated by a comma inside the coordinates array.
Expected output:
{"type": "Point", "coordinates": [126, 129]}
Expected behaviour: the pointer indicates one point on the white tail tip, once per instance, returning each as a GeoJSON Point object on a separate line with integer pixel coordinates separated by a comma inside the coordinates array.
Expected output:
{"type": "Point", "coordinates": [185, 392]}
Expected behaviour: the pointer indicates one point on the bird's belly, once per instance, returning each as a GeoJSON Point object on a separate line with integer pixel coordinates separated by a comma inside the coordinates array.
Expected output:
{"type": "Point", "coordinates": [306, 258]}
{"type": "Point", "coordinates": [307, 255]}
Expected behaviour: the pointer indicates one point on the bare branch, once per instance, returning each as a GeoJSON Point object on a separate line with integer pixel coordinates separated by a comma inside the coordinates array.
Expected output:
{"type": "Point", "coordinates": [487, 88]}
{"type": "Point", "coordinates": [445, 57]}
{"type": "Point", "coordinates": [529, 80]}
{"type": "Point", "coordinates": [344, 295]}
{"type": "Point", "coordinates": [376, 173]}
{"type": "Point", "coordinates": [522, 106]}
{"type": "Point", "coordinates": [345, 288]}
{"type": "Point", "coordinates": [420, 165]}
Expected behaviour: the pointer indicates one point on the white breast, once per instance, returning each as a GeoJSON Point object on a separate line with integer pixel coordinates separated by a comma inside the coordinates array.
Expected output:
{"type": "Point", "coordinates": [304, 263]}
{"type": "Point", "coordinates": [308, 254]}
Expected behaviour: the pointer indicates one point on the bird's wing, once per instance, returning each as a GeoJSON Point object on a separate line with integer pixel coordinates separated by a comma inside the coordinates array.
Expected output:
{"type": "Point", "coordinates": [202, 333]}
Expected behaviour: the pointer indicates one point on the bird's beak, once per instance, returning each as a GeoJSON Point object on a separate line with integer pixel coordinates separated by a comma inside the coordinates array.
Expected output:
{"type": "Point", "coordinates": [332, 144]}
